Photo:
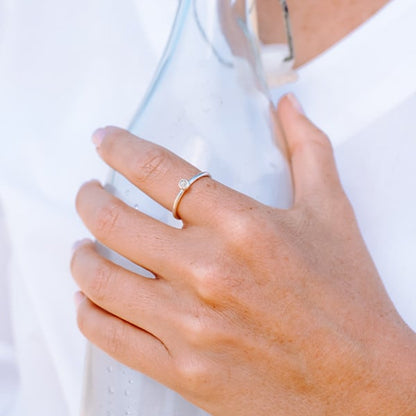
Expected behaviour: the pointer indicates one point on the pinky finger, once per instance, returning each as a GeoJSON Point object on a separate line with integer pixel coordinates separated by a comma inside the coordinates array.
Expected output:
{"type": "Point", "coordinates": [124, 342]}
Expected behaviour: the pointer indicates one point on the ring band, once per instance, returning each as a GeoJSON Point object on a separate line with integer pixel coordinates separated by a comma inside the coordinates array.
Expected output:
{"type": "Point", "coordinates": [184, 185]}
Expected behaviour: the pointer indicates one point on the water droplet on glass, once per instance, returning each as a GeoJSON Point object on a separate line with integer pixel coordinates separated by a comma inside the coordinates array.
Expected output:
{"type": "Point", "coordinates": [126, 392]}
{"type": "Point", "coordinates": [109, 369]}
{"type": "Point", "coordinates": [131, 381]}
{"type": "Point", "coordinates": [136, 206]}
{"type": "Point", "coordinates": [127, 412]}
{"type": "Point", "coordinates": [111, 390]}
{"type": "Point", "coordinates": [109, 413]}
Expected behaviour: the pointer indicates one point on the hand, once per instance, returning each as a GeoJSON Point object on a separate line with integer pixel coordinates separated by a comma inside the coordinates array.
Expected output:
{"type": "Point", "coordinates": [255, 310]}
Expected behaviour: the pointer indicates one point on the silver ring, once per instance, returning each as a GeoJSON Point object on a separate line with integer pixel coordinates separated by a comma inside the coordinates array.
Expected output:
{"type": "Point", "coordinates": [184, 185]}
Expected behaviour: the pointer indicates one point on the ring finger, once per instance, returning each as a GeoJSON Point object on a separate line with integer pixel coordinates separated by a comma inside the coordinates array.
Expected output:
{"type": "Point", "coordinates": [136, 236]}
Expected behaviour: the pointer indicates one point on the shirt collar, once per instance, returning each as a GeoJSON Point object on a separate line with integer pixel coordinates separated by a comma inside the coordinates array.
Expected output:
{"type": "Point", "coordinates": [363, 76]}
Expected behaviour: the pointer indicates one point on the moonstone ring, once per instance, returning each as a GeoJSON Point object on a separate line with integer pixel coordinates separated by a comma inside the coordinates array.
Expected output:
{"type": "Point", "coordinates": [184, 185]}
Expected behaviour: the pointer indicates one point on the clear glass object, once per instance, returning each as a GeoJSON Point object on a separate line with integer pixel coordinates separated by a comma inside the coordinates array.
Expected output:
{"type": "Point", "coordinates": [209, 103]}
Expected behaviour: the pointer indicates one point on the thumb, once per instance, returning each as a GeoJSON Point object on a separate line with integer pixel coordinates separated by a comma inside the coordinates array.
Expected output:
{"type": "Point", "coordinates": [310, 153]}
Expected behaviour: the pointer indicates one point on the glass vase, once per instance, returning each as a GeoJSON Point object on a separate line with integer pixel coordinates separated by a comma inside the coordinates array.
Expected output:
{"type": "Point", "coordinates": [209, 103]}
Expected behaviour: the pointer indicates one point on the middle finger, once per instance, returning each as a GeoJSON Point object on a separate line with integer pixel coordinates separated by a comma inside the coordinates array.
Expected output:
{"type": "Point", "coordinates": [136, 236]}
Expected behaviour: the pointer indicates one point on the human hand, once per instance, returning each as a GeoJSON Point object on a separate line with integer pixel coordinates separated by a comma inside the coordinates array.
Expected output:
{"type": "Point", "coordinates": [255, 310]}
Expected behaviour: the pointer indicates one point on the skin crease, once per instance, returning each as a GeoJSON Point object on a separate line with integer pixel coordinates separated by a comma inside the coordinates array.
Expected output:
{"type": "Point", "coordinates": [255, 310]}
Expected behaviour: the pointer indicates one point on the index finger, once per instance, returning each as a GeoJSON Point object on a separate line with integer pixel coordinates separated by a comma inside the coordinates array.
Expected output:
{"type": "Point", "coordinates": [157, 172]}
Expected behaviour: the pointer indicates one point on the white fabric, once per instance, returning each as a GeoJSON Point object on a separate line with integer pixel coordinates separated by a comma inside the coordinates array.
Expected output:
{"type": "Point", "coordinates": [69, 67]}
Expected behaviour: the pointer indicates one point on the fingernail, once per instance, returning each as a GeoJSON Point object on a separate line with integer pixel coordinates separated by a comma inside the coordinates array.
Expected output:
{"type": "Point", "coordinates": [98, 136]}
{"type": "Point", "coordinates": [295, 103]}
{"type": "Point", "coordinates": [80, 243]}
{"type": "Point", "coordinates": [78, 298]}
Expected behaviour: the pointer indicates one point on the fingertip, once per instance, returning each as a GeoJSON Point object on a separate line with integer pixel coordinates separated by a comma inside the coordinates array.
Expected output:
{"type": "Point", "coordinates": [83, 191]}
{"type": "Point", "coordinates": [102, 133]}
{"type": "Point", "coordinates": [95, 182]}
{"type": "Point", "coordinates": [98, 136]}
{"type": "Point", "coordinates": [79, 297]}
{"type": "Point", "coordinates": [294, 103]}
{"type": "Point", "coordinates": [86, 185]}
{"type": "Point", "coordinates": [289, 103]}
{"type": "Point", "coordinates": [80, 243]}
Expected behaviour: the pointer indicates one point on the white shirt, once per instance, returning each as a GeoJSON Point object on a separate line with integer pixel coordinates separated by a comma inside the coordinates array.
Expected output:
{"type": "Point", "coordinates": [69, 67]}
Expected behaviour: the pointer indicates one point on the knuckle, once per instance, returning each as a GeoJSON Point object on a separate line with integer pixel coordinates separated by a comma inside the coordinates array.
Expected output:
{"type": "Point", "coordinates": [99, 286]}
{"type": "Point", "coordinates": [111, 337]}
{"type": "Point", "coordinates": [243, 227]}
{"type": "Point", "coordinates": [322, 143]}
{"type": "Point", "coordinates": [114, 339]}
{"type": "Point", "coordinates": [107, 218]}
{"type": "Point", "coordinates": [193, 374]}
{"type": "Point", "coordinates": [150, 164]}
{"type": "Point", "coordinates": [196, 331]}
{"type": "Point", "coordinates": [321, 139]}
{"type": "Point", "coordinates": [220, 283]}
{"type": "Point", "coordinates": [220, 276]}
{"type": "Point", "coordinates": [318, 141]}
{"type": "Point", "coordinates": [207, 329]}
{"type": "Point", "coordinates": [208, 282]}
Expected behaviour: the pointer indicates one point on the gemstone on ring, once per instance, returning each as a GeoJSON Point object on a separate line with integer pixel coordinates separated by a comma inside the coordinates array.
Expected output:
{"type": "Point", "coordinates": [184, 184]}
